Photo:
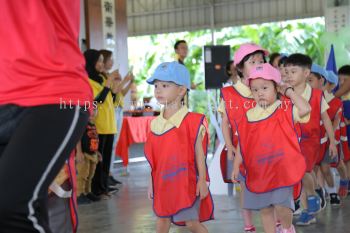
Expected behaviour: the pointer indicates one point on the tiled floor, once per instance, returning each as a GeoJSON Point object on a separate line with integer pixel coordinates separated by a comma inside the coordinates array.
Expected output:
{"type": "Point", "coordinates": [129, 211]}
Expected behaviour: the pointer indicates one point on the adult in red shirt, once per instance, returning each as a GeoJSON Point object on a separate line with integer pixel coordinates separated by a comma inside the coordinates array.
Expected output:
{"type": "Point", "coordinates": [43, 83]}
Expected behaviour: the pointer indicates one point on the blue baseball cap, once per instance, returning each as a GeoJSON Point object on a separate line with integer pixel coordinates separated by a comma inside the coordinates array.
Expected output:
{"type": "Point", "coordinates": [318, 70]}
{"type": "Point", "coordinates": [331, 77]}
{"type": "Point", "coordinates": [171, 72]}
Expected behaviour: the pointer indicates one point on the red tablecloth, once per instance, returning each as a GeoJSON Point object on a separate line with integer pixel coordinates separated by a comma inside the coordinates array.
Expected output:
{"type": "Point", "coordinates": [134, 130]}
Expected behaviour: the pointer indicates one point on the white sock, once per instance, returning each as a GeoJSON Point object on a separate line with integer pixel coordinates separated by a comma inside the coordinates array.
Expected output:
{"type": "Point", "coordinates": [331, 189]}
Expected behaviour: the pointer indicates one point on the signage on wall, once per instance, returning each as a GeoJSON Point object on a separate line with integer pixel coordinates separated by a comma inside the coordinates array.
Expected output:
{"type": "Point", "coordinates": [108, 24]}
{"type": "Point", "coordinates": [337, 15]}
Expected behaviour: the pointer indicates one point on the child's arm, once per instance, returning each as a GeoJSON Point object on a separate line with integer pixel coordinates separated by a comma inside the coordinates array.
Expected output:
{"type": "Point", "coordinates": [236, 164]}
{"type": "Point", "coordinates": [299, 102]}
{"type": "Point", "coordinates": [343, 89]}
{"type": "Point", "coordinates": [79, 153]}
{"type": "Point", "coordinates": [225, 127]}
{"type": "Point", "coordinates": [202, 187]}
{"type": "Point", "coordinates": [150, 188]}
{"type": "Point", "coordinates": [337, 120]}
{"type": "Point", "coordinates": [329, 129]}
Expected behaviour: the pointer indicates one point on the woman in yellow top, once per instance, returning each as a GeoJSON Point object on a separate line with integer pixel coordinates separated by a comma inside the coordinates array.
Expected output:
{"type": "Point", "coordinates": [105, 120]}
{"type": "Point", "coordinates": [121, 86]}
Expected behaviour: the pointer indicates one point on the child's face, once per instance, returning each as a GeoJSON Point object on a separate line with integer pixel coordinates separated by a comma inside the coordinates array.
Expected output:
{"type": "Point", "coordinates": [264, 92]}
{"type": "Point", "coordinates": [342, 78]}
{"type": "Point", "coordinates": [253, 61]}
{"type": "Point", "coordinates": [314, 82]}
{"type": "Point", "coordinates": [329, 86]}
{"type": "Point", "coordinates": [168, 92]}
{"type": "Point", "coordinates": [296, 75]}
{"type": "Point", "coordinates": [99, 64]}
{"type": "Point", "coordinates": [282, 70]}
{"type": "Point", "coordinates": [276, 61]}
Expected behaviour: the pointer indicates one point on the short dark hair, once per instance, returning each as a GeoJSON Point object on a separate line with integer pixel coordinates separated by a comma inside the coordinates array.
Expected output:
{"type": "Point", "coordinates": [282, 61]}
{"type": "Point", "coordinates": [241, 64]}
{"type": "Point", "coordinates": [298, 59]}
{"type": "Point", "coordinates": [273, 57]}
{"type": "Point", "coordinates": [344, 70]}
{"type": "Point", "coordinates": [228, 68]}
{"type": "Point", "coordinates": [318, 76]}
{"type": "Point", "coordinates": [179, 42]}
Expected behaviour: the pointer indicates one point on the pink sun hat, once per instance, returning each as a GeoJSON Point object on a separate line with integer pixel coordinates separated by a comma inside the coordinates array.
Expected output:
{"type": "Point", "coordinates": [246, 49]}
{"type": "Point", "coordinates": [265, 71]}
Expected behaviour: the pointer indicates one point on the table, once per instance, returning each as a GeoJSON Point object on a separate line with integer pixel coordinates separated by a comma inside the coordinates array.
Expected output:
{"type": "Point", "coordinates": [134, 130]}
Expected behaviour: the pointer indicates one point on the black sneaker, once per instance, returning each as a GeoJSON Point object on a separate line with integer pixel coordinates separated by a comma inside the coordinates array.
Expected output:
{"type": "Point", "coordinates": [93, 197]}
{"type": "Point", "coordinates": [112, 191]}
{"type": "Point", "coordinates": [83, 200]}
{"type": "Point", "coordinates": [335, 200]}
{"type": "Point", "coordinates": [113, 181]}
{"type": "Point", "coordinates": [321, 194]}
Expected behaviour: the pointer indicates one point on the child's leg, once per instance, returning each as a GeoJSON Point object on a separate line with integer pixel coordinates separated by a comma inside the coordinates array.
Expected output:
{"type": "Point", "coordinates": [328, 176]}
{"type": "Point", "coordinates": [344, 180]}
{"type": "Point", "coordinates": [163, 225]}
{"type": "Point", "coordinates": [285, 215]}
{"type": "Point", "coordinates": [82, 170]}
{"type": "Point", "coordinates": [92, 169]}
{"type": "Point", "coordinates": [196, 227]}
{"type": "Point", "coordinates": [268, 219]}
{"type": "Point", "coordinates": [320, 179]}
{"type": "Point", "coordinates": [342, 170]}
{"type": "Point", "coordinates": [347, 165]}
{"type": "Point", "coordinates": [308, 189]}
{"type": "Point", "coordinates": [247, 214]}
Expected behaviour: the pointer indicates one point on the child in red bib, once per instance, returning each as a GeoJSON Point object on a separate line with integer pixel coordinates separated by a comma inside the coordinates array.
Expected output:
{"type": "Point", "coordinates": [236, 100]}
{"type": "Point", "coordinates": [176, 151]}
{"type": "Point", "coordinates": [298, 68]}
{"type": "Point", "coordinates": [327, 81]}
{"type": "Point", "coordinates": [269, 149]}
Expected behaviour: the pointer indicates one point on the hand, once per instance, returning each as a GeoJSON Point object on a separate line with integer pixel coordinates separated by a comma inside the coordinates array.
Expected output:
{"type": "Point", "coordinates": [128, 76]}
{"type": "Point", "coordinates": [283, 87]}
{"type": "Point", "coordinates": [202, 189]}
{"type": "Point", "coordinates": [235, 173]}
{"type": "Point", "coordinates": [99, 155]}
{"type": "Point", "coordinates": [150, 191]}
{"type": "Point", "coordinates": [115, 74]}
{"type": "Point", "coordinates": [230, 151]}
{"type": "Point", "coordinates": [333, 150]}
{"type": "Point", "coordinates": [79, 157]}
{"type": "Point", "coordinates": [109, 81]}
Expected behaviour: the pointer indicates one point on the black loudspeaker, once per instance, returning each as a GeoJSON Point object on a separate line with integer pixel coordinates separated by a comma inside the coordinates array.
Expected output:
{"type": "Point", "coordinates": [215, 59]}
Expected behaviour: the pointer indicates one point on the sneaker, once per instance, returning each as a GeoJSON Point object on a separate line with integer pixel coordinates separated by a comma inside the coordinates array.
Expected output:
{"type": "Point", "coordinates": [290, 230]}
{"type": "Point", "coordinates": [313, 204]}
{"type": "Point", "coordinates": [249, 229]}
{"type": "Point", "coordinates": [321, 194]}
{"type": "Point", "coordinates": [93, 197]}
{"type": "Point", "coordinates": [112, 191]}
{"type": "Point", "coordinates": [343, 188]}
{"type": "Point", "coordinates": [83, 200]}
{"type": "Point", "coordinates": [335, 200]}
{"type": "Point", "coordinates": [298, 208]}
{"type": "Point", "coordinates": [279, 228]}
{"type": "Point", "coordinates": [113, 181]}
{"type": "Point", "coordinates": [306, 219]}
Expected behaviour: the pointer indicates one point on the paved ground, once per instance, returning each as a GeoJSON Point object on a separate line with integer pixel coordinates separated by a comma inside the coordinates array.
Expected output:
{"type": "Point", "coordinates": [129, 211]}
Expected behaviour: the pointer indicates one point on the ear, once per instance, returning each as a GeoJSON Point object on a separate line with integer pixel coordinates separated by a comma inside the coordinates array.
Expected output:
{"type": "Point", "coordinates": [307, 72]}
{"type": "Point", "coordinates": [182, 91]}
